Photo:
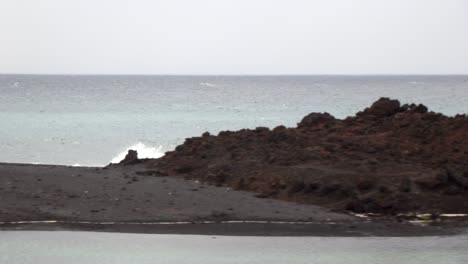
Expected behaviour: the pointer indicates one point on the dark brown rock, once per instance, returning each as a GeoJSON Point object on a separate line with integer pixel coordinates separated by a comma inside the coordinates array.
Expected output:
{"type": "Point", "coordinates": [387, 159]}
{"type": "Point", "coordinates": [384, 107]}
{"type": "Point", "coordinates": [130, 158]}
{"type": "Point", "coordinates": [405, 184]}
{"type": "Point", "coordinates": [314, 119]}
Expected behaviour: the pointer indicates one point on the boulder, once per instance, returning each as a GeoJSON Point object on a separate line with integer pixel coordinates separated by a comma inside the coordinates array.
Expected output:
{"type": "Point", "coordinates": [131, 158]}
{"type": "Point", "coordinates": [314, 119]}
{"type": "Point", "coordinates": [383, 107]}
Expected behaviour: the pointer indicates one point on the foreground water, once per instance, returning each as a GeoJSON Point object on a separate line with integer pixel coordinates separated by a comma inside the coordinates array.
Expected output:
{"type": "Point", "coordinates": [89, 120]}
{"type": "Point", "coordinates": [114, 248]}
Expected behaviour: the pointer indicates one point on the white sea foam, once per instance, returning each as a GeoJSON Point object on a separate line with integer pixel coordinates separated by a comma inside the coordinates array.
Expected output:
{"type": "Point", "coordinates": [207, 84]}
{"type": "Point", "coordinates": [143, 152]}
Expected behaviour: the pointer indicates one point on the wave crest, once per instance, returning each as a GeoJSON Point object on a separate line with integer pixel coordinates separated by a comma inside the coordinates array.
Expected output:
{"type": "Point", "coordinates": [143, 152]}
{"type": "Point", "coordinates": [207, 84]}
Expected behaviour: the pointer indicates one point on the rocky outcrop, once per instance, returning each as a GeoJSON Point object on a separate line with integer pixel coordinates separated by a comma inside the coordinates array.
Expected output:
{"type": "Point", "coordinates": [389, 158]}
{"type": "Point", "coordinates": [131, 158]}
{"type": "Point", "coordinates": [383, 107]}
{"type": "Point", "coordinates": [314, 119]}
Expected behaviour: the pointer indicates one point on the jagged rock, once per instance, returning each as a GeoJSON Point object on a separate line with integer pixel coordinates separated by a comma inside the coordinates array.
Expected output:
{"type": "Point", "coordinates": [130, 158]}
{"type": "Point", "coordinates": [386, 159]}
{"type": "Point", "coordinates": [415, 108]}
{"type": "Point", "coordinates": [384, 107]}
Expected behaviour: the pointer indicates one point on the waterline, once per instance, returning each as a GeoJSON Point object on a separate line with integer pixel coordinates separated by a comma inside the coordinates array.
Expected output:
{"type": "Point", "coordinates": [120, 248]}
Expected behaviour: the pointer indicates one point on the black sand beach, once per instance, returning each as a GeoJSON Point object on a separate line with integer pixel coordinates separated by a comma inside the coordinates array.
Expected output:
{"type": "Point", "coordinates": [120, 199]}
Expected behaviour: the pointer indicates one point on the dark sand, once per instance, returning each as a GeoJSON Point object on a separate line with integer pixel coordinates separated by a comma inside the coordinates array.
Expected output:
{"type": "Point", "coordinates": [82, 198]}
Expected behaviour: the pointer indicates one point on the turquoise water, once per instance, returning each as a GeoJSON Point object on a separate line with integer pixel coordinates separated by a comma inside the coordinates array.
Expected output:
{"type": "Point", "coordinates": [89, 120]}
{"type": "Point", "coordinates": [112, 248]}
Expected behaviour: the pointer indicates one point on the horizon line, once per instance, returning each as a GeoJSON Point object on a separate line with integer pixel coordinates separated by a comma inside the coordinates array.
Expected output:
{"type": "Point", "coordinates": [252, 75]}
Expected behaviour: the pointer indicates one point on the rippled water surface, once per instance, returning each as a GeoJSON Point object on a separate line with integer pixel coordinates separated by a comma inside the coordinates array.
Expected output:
{"type": "Point", "coordinates": [101, 248]}
{"type": "Point", "coordinates": [90, 120]}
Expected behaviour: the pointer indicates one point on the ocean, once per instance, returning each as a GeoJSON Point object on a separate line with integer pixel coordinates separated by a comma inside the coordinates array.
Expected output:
{"type": "Point", "coordinates": [93, 120]}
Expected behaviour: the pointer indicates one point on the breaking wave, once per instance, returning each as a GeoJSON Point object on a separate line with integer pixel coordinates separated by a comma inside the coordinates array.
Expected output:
{"type": "Point", "coordinates": [143, 152]}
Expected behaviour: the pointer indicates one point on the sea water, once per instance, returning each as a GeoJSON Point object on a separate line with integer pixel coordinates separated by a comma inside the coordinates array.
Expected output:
{"type": "Point", "coordinates": [93, 120]}
{"type": "Point", "coordinates": [112, 248]}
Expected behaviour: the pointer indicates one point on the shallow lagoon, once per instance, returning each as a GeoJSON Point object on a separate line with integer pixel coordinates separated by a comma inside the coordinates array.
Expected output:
{"type": "Point", "coordinates": [115, 248]}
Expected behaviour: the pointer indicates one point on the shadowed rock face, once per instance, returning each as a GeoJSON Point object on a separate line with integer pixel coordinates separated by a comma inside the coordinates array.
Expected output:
{"type": "Point", "coordinates": [315, 119]}
{"type": "Point", "coordinates": [384, 107]}
{"type": "Point", "coordinates": [131, 158]}
{"type": "Point", "coordinates": [387, 159]}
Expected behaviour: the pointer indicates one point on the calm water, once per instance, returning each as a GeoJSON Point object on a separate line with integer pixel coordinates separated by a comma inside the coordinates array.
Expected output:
{"type": "Point", "coordinates": [89, 120]}
{"type": "Point", "coordinates": [101, 248]}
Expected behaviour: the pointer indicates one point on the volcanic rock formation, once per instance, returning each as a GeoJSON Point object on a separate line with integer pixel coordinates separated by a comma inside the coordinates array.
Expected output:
{"type": "Point", "coordinates": [387, 159]}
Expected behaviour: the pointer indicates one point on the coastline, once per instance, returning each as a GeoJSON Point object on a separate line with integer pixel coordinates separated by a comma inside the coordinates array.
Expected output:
{"type": "Point", "coordinates": [249, 229]}
{"type": "Point", "coordinates": [89, 198]}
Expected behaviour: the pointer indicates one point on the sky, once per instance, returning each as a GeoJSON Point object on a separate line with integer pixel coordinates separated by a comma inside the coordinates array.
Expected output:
{"type": "Point", "coordinates": [234, 37]}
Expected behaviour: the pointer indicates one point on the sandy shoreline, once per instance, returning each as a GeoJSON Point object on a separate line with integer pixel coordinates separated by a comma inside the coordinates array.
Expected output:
{"type": "Point", "coordinates": [88, 198]}
{"type": "Point", "coordinates": [246, 229]}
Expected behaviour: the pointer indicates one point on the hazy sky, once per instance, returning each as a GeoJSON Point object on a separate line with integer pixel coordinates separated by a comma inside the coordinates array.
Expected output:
{"type": "Point", "coordinates": [234, 37]}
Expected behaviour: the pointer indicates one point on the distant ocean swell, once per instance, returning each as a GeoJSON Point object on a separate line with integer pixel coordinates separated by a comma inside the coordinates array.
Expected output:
{"type": "Point", "coordinates": [94, 120]}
